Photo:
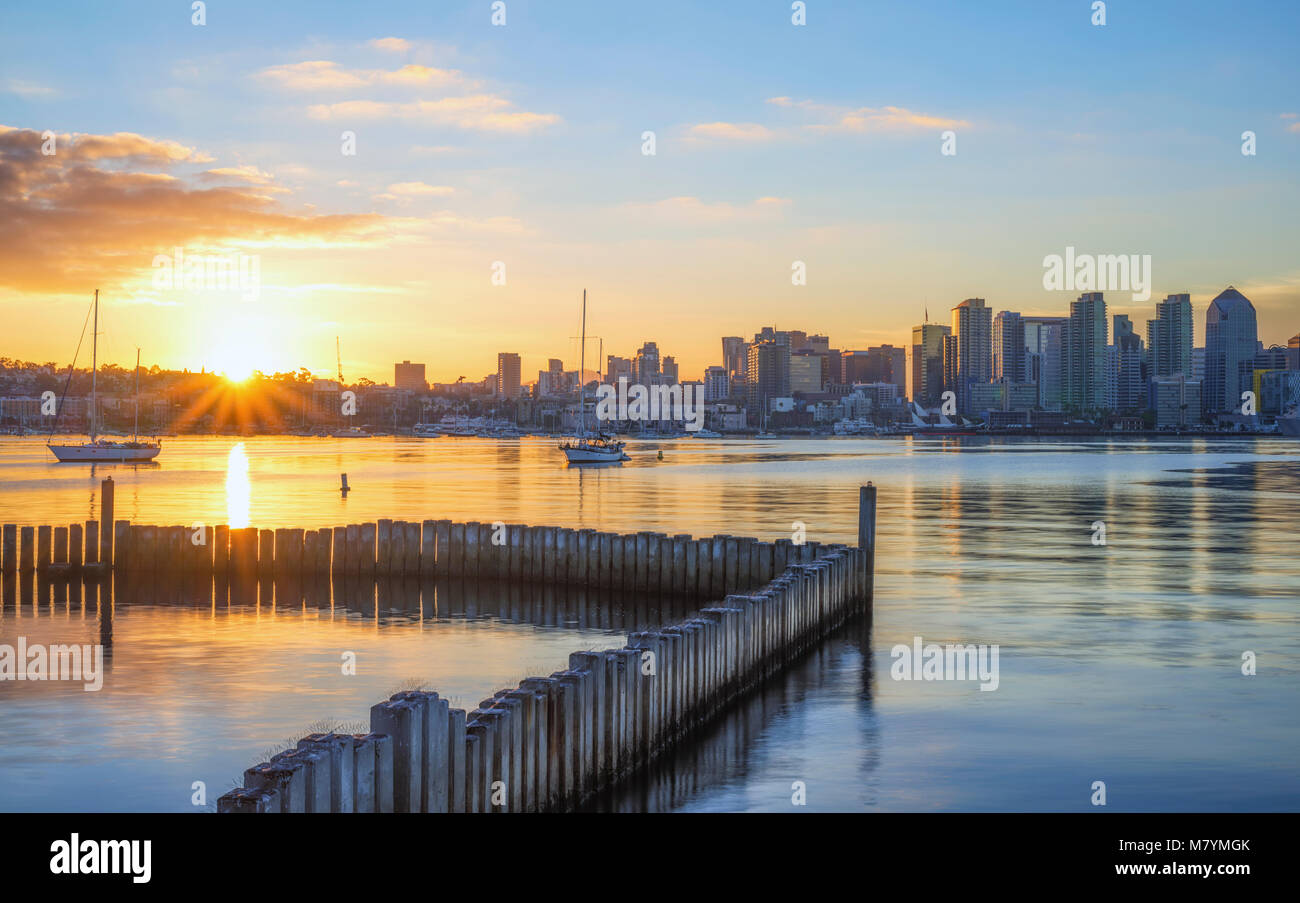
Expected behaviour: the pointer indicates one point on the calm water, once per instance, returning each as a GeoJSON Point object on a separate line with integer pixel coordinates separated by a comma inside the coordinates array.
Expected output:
{"type": "Point", "coordinates": [1119, 663]}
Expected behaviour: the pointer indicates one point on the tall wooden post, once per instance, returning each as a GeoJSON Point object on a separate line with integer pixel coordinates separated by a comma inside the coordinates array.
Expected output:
{"type": "Point", "coordinates": [106, 521]}
{"type": "Point", "coordinates": [867, 534]}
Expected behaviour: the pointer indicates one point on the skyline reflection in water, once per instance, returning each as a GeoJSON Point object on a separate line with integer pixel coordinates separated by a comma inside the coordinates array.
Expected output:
{"type": "Point", "coordinates": [1119, 662]}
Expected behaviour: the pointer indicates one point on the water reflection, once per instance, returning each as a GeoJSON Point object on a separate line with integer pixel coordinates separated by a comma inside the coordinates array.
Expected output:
{"type": "Point", "coordinates": [238, 488]}
{"type": "Point", "coordinates": [722, 758]}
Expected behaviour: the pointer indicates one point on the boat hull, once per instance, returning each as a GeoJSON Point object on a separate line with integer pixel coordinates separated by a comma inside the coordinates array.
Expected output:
{"type": "Point", "coordinates": [593, 455]}
{"type": "Point", "coordinates": [1289, 426]}
{"type": "Point", "coordinates": [90, 454]}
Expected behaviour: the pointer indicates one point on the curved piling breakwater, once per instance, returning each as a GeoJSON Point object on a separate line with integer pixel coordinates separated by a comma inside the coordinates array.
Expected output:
{"type": "Point", "coordinates": [552, 742]}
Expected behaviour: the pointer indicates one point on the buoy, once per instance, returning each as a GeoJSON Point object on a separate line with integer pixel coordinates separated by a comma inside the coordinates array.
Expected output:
{"type": "Point", "coordinates": [661, 454]}
{"type": "Point", "coordinates": [343, 489]}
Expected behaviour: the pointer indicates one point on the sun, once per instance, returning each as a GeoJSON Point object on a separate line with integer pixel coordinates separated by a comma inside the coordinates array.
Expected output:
{"type": "Point", "coordinates": [238, 347]}
{"type": "Point", "coordinates": [238, 373]}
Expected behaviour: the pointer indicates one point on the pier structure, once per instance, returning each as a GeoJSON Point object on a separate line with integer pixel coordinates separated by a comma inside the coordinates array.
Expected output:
{"type": "Point", "coordinates": [553, 741]}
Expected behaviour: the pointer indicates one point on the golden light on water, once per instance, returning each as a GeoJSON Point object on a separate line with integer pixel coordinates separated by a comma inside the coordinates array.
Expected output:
{"type": "Point", "coordinates": [238, 489]}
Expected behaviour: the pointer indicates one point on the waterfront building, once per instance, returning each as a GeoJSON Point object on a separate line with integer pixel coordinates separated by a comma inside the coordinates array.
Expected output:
{"type": "Point", "coordinates": [1169, 337]}
{"type": "Point", "coordinates": [1083, 376]}
{"type": "Point", "coordinates": [507, 380]}
{"type": "Point", "coordinates": [1008, 346]}
{"type": "Point", "coordinates": [972, 335]}
{"type": "Point", "coordinates": [925, 369]}
{"type": "Point", "coordinates": [409, 376]}
{"type": "Point", "coordinates": [1231, 336]}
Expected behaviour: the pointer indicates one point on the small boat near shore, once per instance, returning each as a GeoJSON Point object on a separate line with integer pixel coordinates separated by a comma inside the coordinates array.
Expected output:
{"type": "Point", "coordinates": [100, 449]}
{"type": "Point", "coordinates": [601, 449]}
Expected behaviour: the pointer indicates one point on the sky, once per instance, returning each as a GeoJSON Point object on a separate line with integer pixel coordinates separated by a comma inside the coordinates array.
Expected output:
{"type": "Point", "coordinates": [499, 170]}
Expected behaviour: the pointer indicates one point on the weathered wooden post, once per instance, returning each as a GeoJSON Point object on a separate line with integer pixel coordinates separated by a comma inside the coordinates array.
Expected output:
{"type": "Point", "coordinates": [9, 563]}
{"type": "Point", "coordinates": [867, 535]}
{"type": "Point", "coordinates": [106, 491]}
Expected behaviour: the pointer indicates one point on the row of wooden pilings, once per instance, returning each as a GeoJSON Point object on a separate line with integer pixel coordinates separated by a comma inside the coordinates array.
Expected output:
{"type": "Point", "coordinates": [551, 743]}
{"type": "Point", "coordinates": [644, 561]}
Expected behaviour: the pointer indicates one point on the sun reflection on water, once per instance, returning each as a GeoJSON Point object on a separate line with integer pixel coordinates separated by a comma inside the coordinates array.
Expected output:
{"type": "Point", "coordinates": [238, 489]}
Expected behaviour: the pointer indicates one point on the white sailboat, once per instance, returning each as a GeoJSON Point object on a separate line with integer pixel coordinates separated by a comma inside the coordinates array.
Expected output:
{"type": "Point", "coordinates": [105, 450]}
{"type": "Point", "coordinates": [599, 449]}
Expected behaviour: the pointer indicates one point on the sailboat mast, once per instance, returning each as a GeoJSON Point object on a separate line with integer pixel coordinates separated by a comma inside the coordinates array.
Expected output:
{"type": "Point", "coordinates": [582, 366]}
{"type": "Point", "coordinates": [94, 368]}
{"type": "Point", "coordinates": [136, 435]}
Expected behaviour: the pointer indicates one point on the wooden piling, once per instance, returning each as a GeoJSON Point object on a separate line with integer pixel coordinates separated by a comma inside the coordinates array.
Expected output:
{"type": "Point", "coordinates": [429, 549]}
{"type": "Point", "coordinates": [867, 536]}
{"type": "Point", "coordinates": [9, 553]}
{"type": "Point", "coordinates": [107, 492]}
{"type": "Point", "coordinates": [267, 543]}
{"type": "Point", "coordinates": [367, 538]}
{"type": "Point", "coordinates": [44, 541]}
{"type": "Point", "coordinates": [384, 547]}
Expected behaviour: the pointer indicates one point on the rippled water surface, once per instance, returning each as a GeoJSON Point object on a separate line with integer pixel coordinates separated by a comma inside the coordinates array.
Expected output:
{"type": "Point", "coordinates": [1118, 663]}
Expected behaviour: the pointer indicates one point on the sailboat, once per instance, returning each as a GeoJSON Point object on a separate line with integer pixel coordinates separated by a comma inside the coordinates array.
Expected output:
{"type": "Point", "coordinates": [599, 449]}
{"type": "Point", "coordinates": [97, 449]}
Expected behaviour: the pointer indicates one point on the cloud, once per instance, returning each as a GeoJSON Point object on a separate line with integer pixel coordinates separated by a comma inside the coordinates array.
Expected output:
{"type": "Point", "coordinates": [407, 191]}
{"type": "Point", "coordinates": [123, 147]}
{"type": "Point", "coordinates": [324, 75]}
{"type": "Point", "coordinates": [692, 209]}
{"type": "Point", "coordinates": [866, 119]}
{"type": "Point", "coordinates": [731, 131]}
{"type": "Point", "coordinates": [67, 222]}
{"type": "Point", "coordinates": [390, 45]}
{"type": "Point", "coordinates": [891, 119]}
{"type": "Point", "coordinates": [482, 112]}
{"type": "Point", "coordinates": [250, 174]}
{"type": "Point", "coordinates": [27, 89]}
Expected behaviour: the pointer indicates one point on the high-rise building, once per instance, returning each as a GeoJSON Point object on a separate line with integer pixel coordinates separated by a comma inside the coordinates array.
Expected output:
{"type": "Point", "coordinates": [1129, 390]}
{"type": "Point", "coordinates": [1293, 353]}
{"type": "Point", "coordinates": [409, 376]}
{"type": "Point", "coordinates": [807, 372]}
{"type": "Point", "coordinates": [1176, 400]}
{"type": "Point", "coordinates": [1169, 337]}
{"type": "Point", "coordinates": [717, 384]}
{"type": "Point", "coordinates": [616, 367]}
{"type": "Point", "coordinates": [822, 344]}
{"type": "Point", "coordinates": [926, 368]}
{"type": "Point", "coordinates": [972, 333]}
{"type": "Point", "coordinates": [1231, 336]}
{"type": "Point", "coordinates": [734, 356]}
{"type": "Point", "coordinates": [1083, 362]}
{"type": "Point", "coordinates": [887, 364]}
{"type": "Point", "coordinates": [508, 374]}
{"type": "Point", "coordinates": [1043, 344]}
{"type": "Point", "coordinates": [949, 365]}
{"type": "Point", "coordinates": [1008, 346]}
{"type": "Point", "coordinates": [853, 367]}
{"type": "Point", "coordinates": [645, 367]}
{"type": "Point", "coordinates": [769, 373]}
{"type": "Point", "coordinates": [669, 370]}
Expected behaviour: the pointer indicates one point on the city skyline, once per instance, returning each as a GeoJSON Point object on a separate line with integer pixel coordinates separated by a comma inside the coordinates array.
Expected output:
{"type": "Point", "coordinates": [478, 145]}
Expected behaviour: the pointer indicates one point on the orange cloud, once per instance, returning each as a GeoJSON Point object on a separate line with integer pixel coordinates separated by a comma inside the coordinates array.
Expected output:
{"type": "Point", "coordinates": [320, 75]}
{"type": "Point", "coordinates": [484, 112]}
{"type": "Point", "coordinates": [65, 223]}
{"type": "Point", "coordinates": [731, 131]}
